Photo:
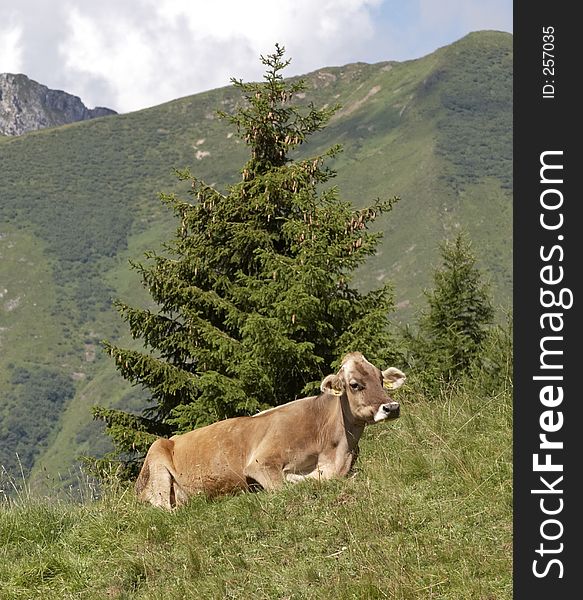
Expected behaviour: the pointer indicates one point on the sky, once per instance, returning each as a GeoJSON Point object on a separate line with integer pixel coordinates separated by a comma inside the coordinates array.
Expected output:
{"type": "Point", "coordinates": [132, 54]}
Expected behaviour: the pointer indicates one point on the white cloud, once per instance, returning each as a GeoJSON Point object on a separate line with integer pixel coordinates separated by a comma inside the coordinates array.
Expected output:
{"type": "Point", "coordinates": [10, 50]}
{"type": "Point", "coordinates": [135, 53]}
{"type": "Point", "coordinates": [114, 52]}
{"type": "Point", "coordinates": [179, 47]}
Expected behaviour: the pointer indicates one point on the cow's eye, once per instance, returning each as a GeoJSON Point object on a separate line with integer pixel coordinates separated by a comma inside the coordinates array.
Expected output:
{"type": "Point", "coordinates": [355, 386]}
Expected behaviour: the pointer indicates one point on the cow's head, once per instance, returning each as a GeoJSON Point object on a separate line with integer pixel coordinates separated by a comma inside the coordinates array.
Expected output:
{"type": "Point", "coordinates": [365, 388]}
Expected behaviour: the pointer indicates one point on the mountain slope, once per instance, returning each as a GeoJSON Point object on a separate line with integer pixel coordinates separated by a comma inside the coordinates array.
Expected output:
{"type": "Point", "coordinates": [78, 201]}
{"type": "Point", "coordinates": [26, 105]}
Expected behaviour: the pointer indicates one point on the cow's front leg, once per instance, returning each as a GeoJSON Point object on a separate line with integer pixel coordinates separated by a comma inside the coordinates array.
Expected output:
{"type": "Point", "coordinates": [267, 474]}
{"type": "Point", "coordinates": [295, 477]}
{"type": "Point", "coordinates": [320, 473]}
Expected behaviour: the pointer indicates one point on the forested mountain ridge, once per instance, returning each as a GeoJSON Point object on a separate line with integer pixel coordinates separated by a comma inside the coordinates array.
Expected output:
{"type": "Point", "coordinates": [77, 201]}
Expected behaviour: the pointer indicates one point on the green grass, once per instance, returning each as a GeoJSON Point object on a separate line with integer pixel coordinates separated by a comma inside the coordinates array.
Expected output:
{"type": "Point", "coordinates": [427, 514]}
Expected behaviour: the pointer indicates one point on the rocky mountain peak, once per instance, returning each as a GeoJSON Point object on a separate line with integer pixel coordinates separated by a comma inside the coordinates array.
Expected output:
{"type": "Point", "coordinates": [26, 105]}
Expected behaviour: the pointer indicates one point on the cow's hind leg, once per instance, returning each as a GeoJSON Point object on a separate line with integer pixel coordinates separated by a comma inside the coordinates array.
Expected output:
{"type": "Point", "coordinates": [268, 476]}
{"type": "Point", "coordinates": [160, 492]}
{"type": "Point", "coordinates": [155, 483]}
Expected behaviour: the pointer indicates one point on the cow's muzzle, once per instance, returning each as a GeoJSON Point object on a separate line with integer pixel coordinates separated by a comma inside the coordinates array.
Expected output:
{"type": "Point", "coordinates": [389, 410]}
{"type": "Point", "coordinates": [392, 409]}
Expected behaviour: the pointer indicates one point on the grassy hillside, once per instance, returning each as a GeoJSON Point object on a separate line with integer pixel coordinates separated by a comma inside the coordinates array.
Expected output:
{"type": "Point", "coordinates": [427, 514]}
{"type": "Point", "coordinates": [77, 201]}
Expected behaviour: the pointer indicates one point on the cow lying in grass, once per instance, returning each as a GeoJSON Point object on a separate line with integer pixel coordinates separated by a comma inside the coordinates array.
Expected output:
{"type": "Point", "coordinates": [315, 437]}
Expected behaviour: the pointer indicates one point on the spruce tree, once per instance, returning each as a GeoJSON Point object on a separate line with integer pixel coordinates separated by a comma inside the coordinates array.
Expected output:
{"type": "Point", "coordinates": [453, 329]}
{"type": "Point", "coordinates": [253, 295]}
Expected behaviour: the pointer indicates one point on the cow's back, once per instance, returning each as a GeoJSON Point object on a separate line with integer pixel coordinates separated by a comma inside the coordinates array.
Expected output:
{"type": "Point", "coordinates": [212, 459]}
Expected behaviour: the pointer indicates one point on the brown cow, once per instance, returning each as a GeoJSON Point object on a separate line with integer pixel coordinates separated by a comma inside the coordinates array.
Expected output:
{"type": "Point", "coordinates": [313, 437]}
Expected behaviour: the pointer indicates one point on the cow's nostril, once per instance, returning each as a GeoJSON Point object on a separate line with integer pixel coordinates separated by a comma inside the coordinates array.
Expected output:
{"type": "Point", "coordinates": [391, 407]}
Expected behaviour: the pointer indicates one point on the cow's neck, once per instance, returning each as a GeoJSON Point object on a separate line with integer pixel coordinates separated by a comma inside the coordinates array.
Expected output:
{"type": "Point", "coordinates": [351, 425]}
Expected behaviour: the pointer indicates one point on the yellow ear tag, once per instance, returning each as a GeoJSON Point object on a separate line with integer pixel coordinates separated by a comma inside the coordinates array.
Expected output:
{"type": "Point", "coordinates": [388, 384]}
{"type": "Point", "coordinates": [336, 392]}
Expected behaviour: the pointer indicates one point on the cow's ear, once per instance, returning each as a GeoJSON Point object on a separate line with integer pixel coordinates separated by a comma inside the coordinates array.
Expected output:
{"type": "Point", "coordinates": [332, 384]}
{"type": "Point", "coordinates": [393, 378]}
